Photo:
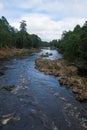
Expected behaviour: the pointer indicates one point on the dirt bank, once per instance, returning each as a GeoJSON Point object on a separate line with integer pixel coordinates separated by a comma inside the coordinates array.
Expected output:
{"type": "Point", "coordinates": [6, 53]}
{"type": "Point", "coordinates": [68, 75]}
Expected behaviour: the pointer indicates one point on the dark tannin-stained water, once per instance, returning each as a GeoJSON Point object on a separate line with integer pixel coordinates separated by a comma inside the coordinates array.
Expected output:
{"type": "Point", "coordinates": [37, 102]}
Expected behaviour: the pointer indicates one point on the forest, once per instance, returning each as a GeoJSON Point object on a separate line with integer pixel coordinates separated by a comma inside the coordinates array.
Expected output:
{"type": "Point", "coordinates": [12, 37]}
{"type": "Point", "coordinates": [73, 45]}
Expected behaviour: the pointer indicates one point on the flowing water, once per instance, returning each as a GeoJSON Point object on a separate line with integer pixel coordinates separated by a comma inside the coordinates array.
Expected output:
{"type": "Point", "coordinates": [37, 102]}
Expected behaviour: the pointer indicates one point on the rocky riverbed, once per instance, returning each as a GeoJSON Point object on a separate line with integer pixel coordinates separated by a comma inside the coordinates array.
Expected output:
{"type": "Point", "coordinates": [67, 73]}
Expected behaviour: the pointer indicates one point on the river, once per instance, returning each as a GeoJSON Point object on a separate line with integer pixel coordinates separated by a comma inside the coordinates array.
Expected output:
{"type": "Point", "coordinates": [37, 102]}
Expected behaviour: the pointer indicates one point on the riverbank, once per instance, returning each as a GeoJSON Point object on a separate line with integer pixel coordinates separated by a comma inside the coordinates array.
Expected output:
{"type": "Point", "coordinates": [67, 73]}
{"type": "Point", "coordinates": [6, 53]}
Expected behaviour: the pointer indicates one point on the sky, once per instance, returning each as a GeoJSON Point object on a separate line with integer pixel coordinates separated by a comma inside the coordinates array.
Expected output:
{"type": "Point", "coordinates": [46, 18]}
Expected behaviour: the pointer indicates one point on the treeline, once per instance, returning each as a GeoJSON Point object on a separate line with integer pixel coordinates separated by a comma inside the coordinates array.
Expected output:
{"type": "Point", "coordinates": [73, 45]}
{"type": "Point", "coordinates": [12, 37]}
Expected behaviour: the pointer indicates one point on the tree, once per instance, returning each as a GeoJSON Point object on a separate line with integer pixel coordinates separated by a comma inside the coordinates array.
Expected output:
{"type": "Point", "coordinates": [23, 26]}
{"type": "Point", "coordinates": [73, 45]}
{"type": "Point", "coordinates": [23, 33]}
{"type": "Point", "coordinates": [11, 37]}
{"type": "Point", "coordinates": [5, 32]}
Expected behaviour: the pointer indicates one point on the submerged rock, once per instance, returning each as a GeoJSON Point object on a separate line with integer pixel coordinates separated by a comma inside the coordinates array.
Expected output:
{"type": "Point", "coordinates": [8, 88]}
{"type": "Point", "coordinates": [1, 73]}
{"type": "Point", "coordinates": [6, 118]}
{"type": "Point", "coordinates": [46, 54]}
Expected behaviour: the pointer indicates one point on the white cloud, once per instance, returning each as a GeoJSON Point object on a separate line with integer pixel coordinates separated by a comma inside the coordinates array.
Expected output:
{"type": "Point", "coordinates": [46, 18]}
{"type": "Point", "coordinates": [45, 27]}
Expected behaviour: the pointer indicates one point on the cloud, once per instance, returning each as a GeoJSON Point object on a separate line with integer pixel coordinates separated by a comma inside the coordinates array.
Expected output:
{"type": "Point", "coordinates": [56, 8]}
{"type": "Point", "coordinates": [45, 27]}
{"type": "Point", "coordinates": [1, 6]}
{"type": "Point", "coordinates": [30, 4]}
{"type": "Point", "coordinates": [46, 18]}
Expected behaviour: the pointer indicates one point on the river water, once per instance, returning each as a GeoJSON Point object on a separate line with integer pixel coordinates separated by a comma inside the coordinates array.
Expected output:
{"type": "Point", "coordinates": [37, 102]}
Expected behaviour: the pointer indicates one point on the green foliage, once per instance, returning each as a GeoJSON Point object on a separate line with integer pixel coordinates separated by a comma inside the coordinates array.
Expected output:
{"type": "Point", "coordinates": [73, 45]}
{"type": "Point", "coordinates": [53, 43]}
{"type": "Point", "coordinates": [11, 37]}
{"type": "Point", "coordinates": [23, 26]}
{"type": "Point", "coordinates": [35, 41]}
{"type": "Point", "coordinates": [45, 44]}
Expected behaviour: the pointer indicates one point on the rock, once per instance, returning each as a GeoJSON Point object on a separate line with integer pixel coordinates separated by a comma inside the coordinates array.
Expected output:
{"type": "Point", "coordinates": [84, 122]}
{"type": "Point", "coordinates": [68, 74]}
{"type": "Point", "coordinates": [43, 55]}
{"type": "Point", "coordinates": [8, 88]}
{"type": "Point", "coordinates": [6, 118]}
{"type": "Point", "coordinates": [56, 94]}
{"type": "Point", "coordinates": [82, 96]}
{"type": "Point", "coordinates": [75, 89]}
{"type": "Point", "coordinates": [50, 54]}
{"type": "Point", "coordinates": [1, 73]}
{"type": "Point", "coordinates": [54, 127]}
{"type": "Point", "coordinates": [63, 81]}
{"type": "Point", "coordinates": [46, 54]}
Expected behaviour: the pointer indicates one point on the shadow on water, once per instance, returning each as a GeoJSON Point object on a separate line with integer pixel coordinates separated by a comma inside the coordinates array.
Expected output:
{"type": "Point", "coordinates": [38, 102]}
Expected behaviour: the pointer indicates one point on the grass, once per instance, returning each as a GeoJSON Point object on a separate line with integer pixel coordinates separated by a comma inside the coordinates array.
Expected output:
{"type": "Point", "coordinates": [23, 52]}
{"type": "Point", "coordinates": [13, 52]}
